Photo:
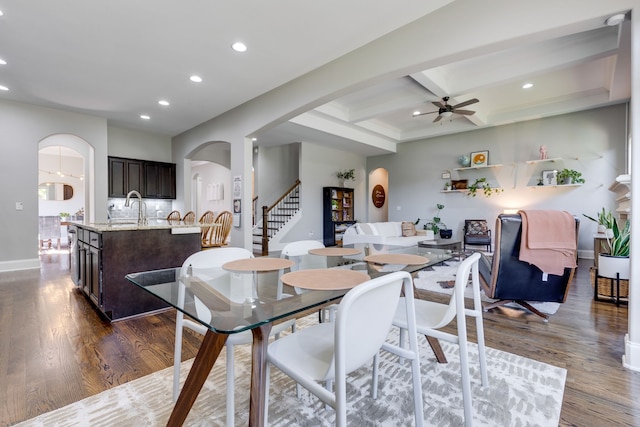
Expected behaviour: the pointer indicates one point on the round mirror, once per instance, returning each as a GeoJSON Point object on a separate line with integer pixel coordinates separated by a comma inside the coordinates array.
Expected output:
{"type": "Point", "coordinates": [55, 191]}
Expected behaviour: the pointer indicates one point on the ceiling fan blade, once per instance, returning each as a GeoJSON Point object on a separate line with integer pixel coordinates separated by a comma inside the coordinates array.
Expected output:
{"type": "Point", "coordinates": [464, 112]}
{"type": "Point", "coordinates": [438, 118]}
{"type": "Point", "coordinates": [465, 103]}
{"type": "Point", "coordinates": [422, 114]}
{"type": "Point", "coordinates": [438, 104]}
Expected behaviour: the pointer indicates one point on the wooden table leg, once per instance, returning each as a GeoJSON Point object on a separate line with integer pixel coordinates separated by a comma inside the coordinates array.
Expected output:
{"type": "Point", "coordinates": [437, 349]}
{"type": "Point", "coordinates": [211, 347]}
{"type": "Point", "coordinates": [258, 374]}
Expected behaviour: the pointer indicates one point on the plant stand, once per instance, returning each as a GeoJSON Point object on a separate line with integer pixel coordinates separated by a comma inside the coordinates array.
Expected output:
{"type": "Point", "coordinates": [614, 291]}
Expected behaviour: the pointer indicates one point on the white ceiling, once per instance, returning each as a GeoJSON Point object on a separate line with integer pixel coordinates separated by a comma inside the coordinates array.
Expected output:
{"type": "Point", "coordinates": [116, 59]}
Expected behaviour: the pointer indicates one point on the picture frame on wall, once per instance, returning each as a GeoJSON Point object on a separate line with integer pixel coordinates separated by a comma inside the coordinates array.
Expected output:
{"type": "Point", "coordinates": [550, 177]}
{"type": "Point", "coordinates": [479, 158]}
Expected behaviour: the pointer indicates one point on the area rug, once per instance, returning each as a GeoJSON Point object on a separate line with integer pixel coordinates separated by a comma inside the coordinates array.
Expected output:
{"type": "Point", "coordinates": [521, 392]}
{"type": "Point", "coordinates": [440, 279]}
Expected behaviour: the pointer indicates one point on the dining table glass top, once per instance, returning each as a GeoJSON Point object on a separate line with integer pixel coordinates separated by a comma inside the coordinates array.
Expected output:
{"type": "Point", "coordinates": [229, 302]}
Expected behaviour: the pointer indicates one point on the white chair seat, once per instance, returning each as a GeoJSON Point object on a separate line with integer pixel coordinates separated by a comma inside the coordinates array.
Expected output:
{"type": "Point", "coordinates": [331, 351]}
{"type": "Point", "coordinates": [429, 314]}
{"type": "Point", "coordinates": [308, 350]}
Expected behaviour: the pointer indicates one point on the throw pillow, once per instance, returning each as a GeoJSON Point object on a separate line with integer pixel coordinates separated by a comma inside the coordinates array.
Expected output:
{"type": "Point", "coordinates": [408, 229]}
{"type": "Point", "coordinates": [477, 227]}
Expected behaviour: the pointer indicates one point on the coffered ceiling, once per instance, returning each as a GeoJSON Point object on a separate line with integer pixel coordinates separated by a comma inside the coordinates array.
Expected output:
{"type": "Point", "coordinates": [117, 59]}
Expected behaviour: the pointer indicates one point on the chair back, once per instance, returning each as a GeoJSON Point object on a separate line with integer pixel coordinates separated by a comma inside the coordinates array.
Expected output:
{"type": "Point", "coordinates": [505, 277]}
{"type": "Point", "coordinates": [174, 217]}
{"type": "Point", "coordinates": [207, 265]}
{"type": "Point", "coordinates": [189, 218]}
{"type": "Point", "coordinates": [456, 302]}
{"type": "Point", "coordinates": [363, 321]}
{"type": "Point", "coordinates": [219, 234]}
{"type": "Point", "coordinates": [298, 252]}
{"type": "Point", "coordinates": [207, 218]}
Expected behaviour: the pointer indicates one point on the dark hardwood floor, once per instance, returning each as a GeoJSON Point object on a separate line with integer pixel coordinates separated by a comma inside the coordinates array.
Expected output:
{"type": "Point", "coordinates": [55, 349]}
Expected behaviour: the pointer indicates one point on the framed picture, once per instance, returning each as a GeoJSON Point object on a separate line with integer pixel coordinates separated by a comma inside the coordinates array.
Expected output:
{"type": "Point", "coordinates": [550, 177]}
{"type": "Point", "coordinates": [479, 158]}
{"type": "Point", "coordinates": [460, 184]}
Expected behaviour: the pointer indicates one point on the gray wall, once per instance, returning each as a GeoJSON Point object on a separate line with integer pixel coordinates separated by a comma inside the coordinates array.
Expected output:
{"type": "Point", "coordinates": [22, 127]}
{"type": "Point", "coordinates": [591, 142]}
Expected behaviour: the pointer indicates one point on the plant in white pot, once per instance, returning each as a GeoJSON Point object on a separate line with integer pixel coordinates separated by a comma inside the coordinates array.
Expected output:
{"type": "Point", "coordinates": [616, 263]}
{"type": "Point", "coordinates": [605, 222]}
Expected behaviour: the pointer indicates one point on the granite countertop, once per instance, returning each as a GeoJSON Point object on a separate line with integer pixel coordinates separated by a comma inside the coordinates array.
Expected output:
{"type": "Point", "coordinates": [132, 224]}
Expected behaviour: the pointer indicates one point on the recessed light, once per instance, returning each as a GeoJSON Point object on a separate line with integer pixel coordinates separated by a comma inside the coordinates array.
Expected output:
{"type": "Point", "coordinates": [163, 103]}
{"type": "Point", "coordinates": [1, 13]}
{"type": "Point", "coordinates": [254, 139]}
{"type": "Point", "coordinates": [239, 47]}
{"type": "Point", "coordinates": [527, 86]}
{"type": "Point", "coordinates": [416, 113]}
{"type": "Point", "coordinates": [4, 88]}
{"type": "Point", "coordinates": [615, 19]}
{"type": "Point", "coordinates": [145, 117]}
{"type": "Point", "coordinates": [196, 79]}
{"type": "Point", "coordinates": [3, 62]}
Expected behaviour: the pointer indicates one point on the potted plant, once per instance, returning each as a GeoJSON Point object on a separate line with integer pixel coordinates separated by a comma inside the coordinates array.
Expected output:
{"type": "Point", "coordinates": [615, 264]}
{"type": "Point", "coordinates": [605, 222]}
{"type": "Point", "coordinates": [436, 225]}
{"type": "Point", "coordinates": [570, 176]}
{"type": "Point", "coordinates": [346, 175]}
{"type": "Point", "coordinates": [482, 184]}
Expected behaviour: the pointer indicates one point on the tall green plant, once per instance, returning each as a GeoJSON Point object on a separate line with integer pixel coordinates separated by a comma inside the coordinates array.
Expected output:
{"type": "Point", "coordinates": [621, 241]}
{"type": "Point", "coordinates": [604, 218]}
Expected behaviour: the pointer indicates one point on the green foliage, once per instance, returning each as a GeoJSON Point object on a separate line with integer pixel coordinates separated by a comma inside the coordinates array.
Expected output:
{"type": "Point", "coordinates": [482, 184]}
{"type": "Point", "coordinates": [347, 174]}
{"type": "Point", "coordinates": [64, 214]}
{"type": "Point", "coordinates": [570, 176]}
{"type": "Point", "coordinates": [604, 218]}
{"type": "Point", "coordinates": [621, 241]}
{"type": "Point", "coordinates": [436, 223]}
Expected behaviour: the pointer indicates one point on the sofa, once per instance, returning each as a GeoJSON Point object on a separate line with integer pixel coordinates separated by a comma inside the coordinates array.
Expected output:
{"type": "Point", "coordinates": [387, 233]}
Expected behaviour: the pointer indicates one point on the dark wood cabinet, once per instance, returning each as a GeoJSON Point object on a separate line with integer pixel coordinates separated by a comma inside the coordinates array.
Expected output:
{"type": "Point", "coordinates": [90, 265]}
{"type": "Point", "coordinates": [154, 180]}
{"type": "Point", "coordinates": [107, 256]}
{"type": "Point", "coordinates": [337, 214]}
{"type": "Point", "coordinates": [160, 180]}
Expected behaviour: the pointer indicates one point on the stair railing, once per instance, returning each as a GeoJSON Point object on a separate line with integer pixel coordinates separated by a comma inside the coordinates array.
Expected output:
{"type": "Point", "coordinates": [286, 200]}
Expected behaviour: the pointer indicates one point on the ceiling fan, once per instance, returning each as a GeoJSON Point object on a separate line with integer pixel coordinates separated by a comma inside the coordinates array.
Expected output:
{"type": "Point", "coordinates": [445, 110]}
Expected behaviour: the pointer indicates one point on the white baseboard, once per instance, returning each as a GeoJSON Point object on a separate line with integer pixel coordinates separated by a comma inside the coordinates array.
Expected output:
{"type": "Point", "coordinates": [19, 264]}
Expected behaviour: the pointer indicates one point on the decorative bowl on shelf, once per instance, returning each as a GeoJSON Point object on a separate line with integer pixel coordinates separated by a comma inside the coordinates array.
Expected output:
{"type": "Point", "coordinates": [464, 161]}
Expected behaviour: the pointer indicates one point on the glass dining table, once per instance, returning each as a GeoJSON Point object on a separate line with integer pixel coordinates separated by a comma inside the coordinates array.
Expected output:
{"type": "Point", "coordinates": [226, 315]}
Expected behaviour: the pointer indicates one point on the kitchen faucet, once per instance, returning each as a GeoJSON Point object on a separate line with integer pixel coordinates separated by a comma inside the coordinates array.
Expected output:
{"type": "Point", "coordinates": [141, 219]}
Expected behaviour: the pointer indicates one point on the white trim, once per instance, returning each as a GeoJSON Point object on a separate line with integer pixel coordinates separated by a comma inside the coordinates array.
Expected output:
{"type": "Point", "coordinates": [20, 264]}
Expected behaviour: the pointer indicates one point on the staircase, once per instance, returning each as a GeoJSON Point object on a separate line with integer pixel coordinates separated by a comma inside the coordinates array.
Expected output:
{"type": "Point", "coordinates": [275, 217]}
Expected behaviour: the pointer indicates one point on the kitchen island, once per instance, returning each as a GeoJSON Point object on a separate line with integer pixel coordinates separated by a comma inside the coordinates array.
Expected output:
{"type": "Point", "coordinates": [106, 252]}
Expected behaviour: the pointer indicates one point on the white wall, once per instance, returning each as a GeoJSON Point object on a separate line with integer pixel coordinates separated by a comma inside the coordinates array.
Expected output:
{"type": "Point", "coordinates": [134, 144]}
{"type": "Point", "coordinates": [276, 171]}
{"type": "Point", "coordinates": [70, 165]}
{"type": "Point", "coordinates": [319, 165]}
{"type": "Point", "coordinates": [596, 138]}
{"type": "Point", "coordinates": [212, 173]}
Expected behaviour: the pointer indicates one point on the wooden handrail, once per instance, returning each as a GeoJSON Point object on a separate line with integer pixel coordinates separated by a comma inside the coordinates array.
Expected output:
{"type": "Point", "coordinates": [286, 193]}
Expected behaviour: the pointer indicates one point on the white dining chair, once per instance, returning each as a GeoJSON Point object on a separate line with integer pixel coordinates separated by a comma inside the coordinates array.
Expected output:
{"type": "Point", "coordinates": [207, 267]}
{"type": "Point", "coordinates": [432, 316]}
{"type": "Point", "coordinates": [330, 351]}
{"type": "Point", "coordinates": [298, 252]}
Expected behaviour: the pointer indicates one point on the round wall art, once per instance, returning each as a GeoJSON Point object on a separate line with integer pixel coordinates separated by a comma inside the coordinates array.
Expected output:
{"type": "Point", "coordinates": [378, 196]}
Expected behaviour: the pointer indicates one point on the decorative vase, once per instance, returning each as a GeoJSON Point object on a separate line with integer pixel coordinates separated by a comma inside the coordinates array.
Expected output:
{"type": "Point", "coordinates": [602, 229]}
{"type": "Point", "coordinates": [446, 233]}
{"type": "Point", "coordinates": [610, 266]}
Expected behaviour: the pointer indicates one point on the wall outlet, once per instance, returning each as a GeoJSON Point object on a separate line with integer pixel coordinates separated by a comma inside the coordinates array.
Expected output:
{"type": "Point", "coordinates": [311, 234]}
{"type": "Point", "coordinates": [19, 206]}
{"type": "Point", "coordinates": [398, 208]}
